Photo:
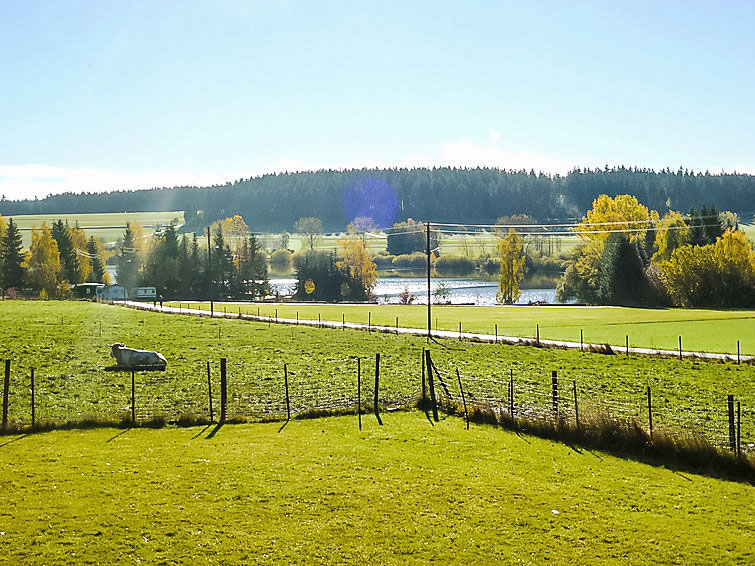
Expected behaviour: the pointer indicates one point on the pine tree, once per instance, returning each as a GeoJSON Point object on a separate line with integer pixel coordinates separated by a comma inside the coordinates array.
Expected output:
{"type": "Point", "coordinates": [127, 273]}
{"type": "Point", "coordinates": [12, 256]}
{"type": "Point", "coordinates": [97, 271]}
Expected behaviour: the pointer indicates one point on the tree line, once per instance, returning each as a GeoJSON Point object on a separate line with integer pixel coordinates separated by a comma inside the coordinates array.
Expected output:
{"type": "Point", "coordinates": [472, 196]}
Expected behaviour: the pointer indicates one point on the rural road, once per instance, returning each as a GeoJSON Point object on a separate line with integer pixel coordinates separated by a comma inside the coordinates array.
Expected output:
{"type": "Point", "coordinates": [447, 334]}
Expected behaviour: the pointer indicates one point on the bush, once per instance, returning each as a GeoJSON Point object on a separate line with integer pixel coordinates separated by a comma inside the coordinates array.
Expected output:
{"type": "Point", "coordinates": [281, 261]}
{"type": "Point", "coordinates": [454, 265]}
{"type": "Point", "coordinates": [413, 262]}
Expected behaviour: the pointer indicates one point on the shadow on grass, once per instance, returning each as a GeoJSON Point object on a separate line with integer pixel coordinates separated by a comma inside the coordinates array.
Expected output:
{"type": "Point", "coordinates": [117, 435]}
{"type": "Point", "coordinates": [14, 440]}
{"type": "Point", "coordinates": [214, 431]}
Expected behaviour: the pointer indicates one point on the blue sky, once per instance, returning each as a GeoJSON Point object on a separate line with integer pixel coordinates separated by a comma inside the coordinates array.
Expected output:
{"type": "Point", "coordinates": [121, 95]}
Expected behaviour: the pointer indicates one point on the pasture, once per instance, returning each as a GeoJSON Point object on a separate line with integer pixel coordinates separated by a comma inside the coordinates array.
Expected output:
{"type": "Point", "coordinates": [322, 492]}
{"type": "Point", "coordinates": [702, 330]}
{"type": "Point", "coordinates": [106, 225]}
{"type": "Point", "coordinates": [68, 345]}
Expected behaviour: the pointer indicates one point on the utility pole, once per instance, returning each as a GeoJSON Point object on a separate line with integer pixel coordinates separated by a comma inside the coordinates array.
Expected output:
{"type": "Point", "coordinates": [209, 265]}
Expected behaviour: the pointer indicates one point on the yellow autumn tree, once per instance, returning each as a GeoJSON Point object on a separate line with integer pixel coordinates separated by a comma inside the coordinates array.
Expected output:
{"type": "Point", "coordinates": [671, 232]}
{"type": "Point", "coordinates": [235, 233]}
{"type": "Point", "coordinates": [43, 261]}
{"type": "Point", "coordinates": [621, 213]}
{"type": "Point", "coordinates": [356, 259]}
{"type": "Point", "coordinates": [79, 242]}
{"type": "Point", "coordinates": [510, 248]}
{"type": "Point", "coordinates": [720, 274]}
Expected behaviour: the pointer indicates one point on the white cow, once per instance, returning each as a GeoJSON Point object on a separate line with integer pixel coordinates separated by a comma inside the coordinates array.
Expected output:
{"type": "Point", "coordinates": [130, 358]}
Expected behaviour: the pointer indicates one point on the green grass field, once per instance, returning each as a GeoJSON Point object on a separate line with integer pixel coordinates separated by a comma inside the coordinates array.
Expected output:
{"type": "Point", "coordinates": [67, 343]}
{"type": "Point", "coordinates": [321, 492]}
{"type": "Point", "coordinates": [702, 330]}
{"type": "Point", "coordinates": [108, 226]}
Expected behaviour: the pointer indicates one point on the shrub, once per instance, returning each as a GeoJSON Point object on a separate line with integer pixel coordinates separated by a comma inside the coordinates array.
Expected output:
{"type": "Point", "coordinates": [454, 265]}
{"type": "Point", "coordinates": [281, 261]}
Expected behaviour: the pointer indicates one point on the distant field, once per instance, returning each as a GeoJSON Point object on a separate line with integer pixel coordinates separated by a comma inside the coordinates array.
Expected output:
{"type": "Point", "coordinates": [322, 492]}
{"type": "Point", "coordinates": [701, 329]}
{"type": "Point", "coordinates": [109, 226]}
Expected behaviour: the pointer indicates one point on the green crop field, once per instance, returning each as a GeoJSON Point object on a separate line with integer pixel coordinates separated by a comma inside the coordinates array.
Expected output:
{"type": "Point", "coordinates": [106, 225]}
{"type": "Point", "coordinates": [67, 344]}
{"type": "Point", "coordinates": [322, 492]}
{"type": "Point", "coordinates": [702, 330]}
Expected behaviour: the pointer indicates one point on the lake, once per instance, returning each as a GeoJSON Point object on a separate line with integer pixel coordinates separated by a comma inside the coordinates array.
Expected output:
{"type": "Point", "coordinates": [463, 290]}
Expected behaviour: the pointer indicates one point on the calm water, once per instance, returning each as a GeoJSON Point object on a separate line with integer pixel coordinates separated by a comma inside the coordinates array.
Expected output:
{"type": "Point", "coordinates": [463, 291]}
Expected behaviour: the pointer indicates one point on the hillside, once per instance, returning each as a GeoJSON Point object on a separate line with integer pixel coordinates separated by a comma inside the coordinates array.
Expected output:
{"type": "Point", "coordinates": [474, 196]}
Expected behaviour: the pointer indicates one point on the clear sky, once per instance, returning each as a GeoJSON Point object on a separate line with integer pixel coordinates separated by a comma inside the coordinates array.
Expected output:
{"type": "Point", "coordinates": [98, 95]}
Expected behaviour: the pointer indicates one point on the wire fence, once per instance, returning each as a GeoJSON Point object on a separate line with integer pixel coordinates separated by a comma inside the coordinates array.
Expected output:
{"type": "Point", "coordinates": [267, 391]}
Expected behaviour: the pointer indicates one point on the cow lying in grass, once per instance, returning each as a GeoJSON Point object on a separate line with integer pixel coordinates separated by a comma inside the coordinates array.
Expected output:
{"type": "Point", "coordinates": [130, 358]}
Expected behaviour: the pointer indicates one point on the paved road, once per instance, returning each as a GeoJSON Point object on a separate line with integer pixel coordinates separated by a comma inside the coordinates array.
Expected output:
{"type": "Point", "coordinates": [449, 334]}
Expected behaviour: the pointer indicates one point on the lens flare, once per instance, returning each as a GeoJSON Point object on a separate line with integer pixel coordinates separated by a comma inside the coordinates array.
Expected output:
{"type": "Point", "coordinates": [371, 198]}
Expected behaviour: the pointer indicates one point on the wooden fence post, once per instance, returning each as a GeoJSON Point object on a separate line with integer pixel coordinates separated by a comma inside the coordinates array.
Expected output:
{"type": "Point", "coordinates": [212, 308]}
{"type": "Point", "coordinates": [576, 406]}
{"type": "Point", "coordinates": [732, 429]}
{"type": "Point", "coordinates": [369, 322]}
{"type": "Point", "coordinates": [377, 387]}
{"type": "Point", "coordinates": [511, 393]}
{"type": "Point", "coordinates": [288, 403]}
{"type": "Point", "coordinates": [396, 326]}
{"type": "Point", "coordinates": [209, 392]}
{"type": "Point", "coordinates": [223, 390]}
{"type": "Point", "coordinates": [33, 416]}
{"type": "Point", "coordinates": [424, 387]}
{"type": "Point", "coordinates": [343, 321]}
{"type": "Point", "coordinates": [463, 398]}
{"type": "Point", "coordinates": [627, 344]}
{"type": "Point", "coordinates": [538, 333]}
{"type": "Point", "coordinates": [496, 333]}
{"type": "Point", "coordinates": [581, 340]}
{"type": "Point", "coordinates": [680, 347]}
{"type": "Point", "coordinates": [431, 384]}
{"type": "Point", "coordinates": [739, 429]}
{"type": "Point", "coordinates": [359, 391]}
{"type": "Point", "coordinates": [459, 330]}
{"type": "Point", "coordinates": [133, 399]}
{"type": "Point", "coordinates": [650, 413]}
{"type": "Point", "coordinates": [554, 389]}
{"type": "Point", "coordinates": [737, 352]}
{"type": "Point", "coordinates": [6, 387]}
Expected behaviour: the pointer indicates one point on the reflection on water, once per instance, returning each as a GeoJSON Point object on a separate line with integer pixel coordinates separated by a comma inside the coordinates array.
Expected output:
{"type": "Point", "coordinates": [462, 291]}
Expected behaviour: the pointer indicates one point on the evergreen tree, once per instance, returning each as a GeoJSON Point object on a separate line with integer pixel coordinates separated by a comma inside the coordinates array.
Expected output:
{"type": "Point", "coordinates": [69, 261]}
{"type": "Point", "coordinates": [97, 271]}
{"type": "Point", "coordinates": [127, 273]}
{"type": "Point", "coordinates": [621, 275]}
{"type": "Point", "coordinates": [12, 256]}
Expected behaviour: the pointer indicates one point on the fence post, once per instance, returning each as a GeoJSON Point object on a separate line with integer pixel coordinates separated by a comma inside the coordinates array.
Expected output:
{"type": "Point", "coordinates": [369, 322]}
{"type": "Point", "coordinates": [627, 344]}
{"type": "Point", "coordinates": [377, 386]}
{"type": "Point", "coordinates": [396, 326]}
{"type": "Point", "coordinates": [209, 392]}
{"type": "Point", "coordinates": [33, 419]}
{"type": "Point", "coordinates": [359, 391]}
{"type": "Point", "coordinates": [223, 390]}
{"type": "Point", "coordinates": [650, 413]}
{"type": "Point", "coordinates": [431, 384]}
{"type": "Point", "coordinates": [496, 333]}
{"type": "Point", "coordinates": [424, 387]}
{"type": "Point", "coordinates": [276, 315]}
{"type": "Point", "coordinates": [680, 347]}
{"type": "Point", "coordinates": [6, 386]}
{"type": "Point", "coordinates": [737, 352]}
{"type": "Point", "coordinates": [538, 333]}
{"type": "Point", "coordinates": [212, 309]}
{"type": "Point", "coordinates": [576, 405]}
{"type": "Point", "coordinates": [739, 429]}
{"type": "Point", "coordinates": [288, 403]}
{"type": "Point", "coordinates": [554, 387]}
{"type": "Point", "coordinates": [463, 398]}
{"type": "Point", "coordinates": [319, 321]}
{"type": "Point", "coordinates": [133, 399]}
{"type": "Point", "coordinates": [581, 340]}
{"type": "Point", "coordinates": [297, 317]}
{"type": "Point", "coordinates": [511, 393]}
{"type": "Point", "coordinates": [732, 430]}
{"type": "Point", "coordinates": [343, 321]}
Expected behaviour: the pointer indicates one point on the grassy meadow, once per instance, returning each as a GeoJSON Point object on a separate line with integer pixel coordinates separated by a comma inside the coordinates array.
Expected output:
{"type": "Point", "coordinates": [68, 345]}
{"type": "Point", "coordinates": [322, 492]}
{"type": "Point", "coordinates": [702, 330]}
{"type": "Point", "coordinates": [106, 225]}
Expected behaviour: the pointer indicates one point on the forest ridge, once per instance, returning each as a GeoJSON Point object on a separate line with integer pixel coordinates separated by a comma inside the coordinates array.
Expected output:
{"type": "Point", "coordinates": [274, 202]}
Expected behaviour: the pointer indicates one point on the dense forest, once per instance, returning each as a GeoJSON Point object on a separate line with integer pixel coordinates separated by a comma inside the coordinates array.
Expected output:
{"type": "Point", "coordinates": [474, 196]}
